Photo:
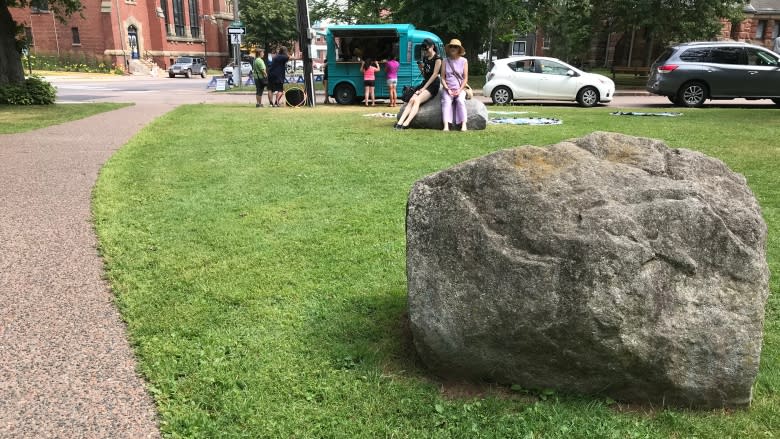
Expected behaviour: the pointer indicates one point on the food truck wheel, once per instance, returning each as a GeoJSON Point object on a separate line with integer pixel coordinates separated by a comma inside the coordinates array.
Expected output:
{"type": "Point", "coordinates": [344, 94]}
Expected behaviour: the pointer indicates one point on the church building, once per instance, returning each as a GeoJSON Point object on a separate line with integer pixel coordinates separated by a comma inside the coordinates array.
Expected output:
{"type": "Point", "coordinates": [136, 35]}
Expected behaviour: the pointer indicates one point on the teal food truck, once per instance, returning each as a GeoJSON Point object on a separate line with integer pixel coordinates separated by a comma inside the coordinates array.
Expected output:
{"type": "Point", "coordinates": [348, 45]}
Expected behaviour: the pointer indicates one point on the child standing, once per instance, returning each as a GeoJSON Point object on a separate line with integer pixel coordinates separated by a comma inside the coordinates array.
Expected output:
{"type": "Point", "coordinates": [392, 79]}
{"type": "Point", "coordinates": [369, 69]}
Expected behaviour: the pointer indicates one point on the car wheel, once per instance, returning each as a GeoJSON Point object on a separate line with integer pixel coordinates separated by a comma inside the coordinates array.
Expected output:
{"type": "Point", "coordinates": [171, 75]}
{"type": "Point", "coordinates": [501, 95]}
{"type": "Point", "coordinates": [344, 94]}
{"type": "Point", "coordinates": [188, 73]}
{"type": "Point", "coordinates": [588, 97]}
{"type": "Point", "coordinates": [202, 73]}
{"type": "Point", "coordinates": [692, 94]}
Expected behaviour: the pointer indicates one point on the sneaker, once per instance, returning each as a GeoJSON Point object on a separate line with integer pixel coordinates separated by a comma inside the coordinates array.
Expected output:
{"type": "Point", "coordinates": [258, 105]}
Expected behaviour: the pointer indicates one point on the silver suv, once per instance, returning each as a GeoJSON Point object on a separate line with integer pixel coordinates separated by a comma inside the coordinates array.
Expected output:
{"type": "Point", "coordinates": [689, 74]}
{"type": "Point", "coordinates": [187, 66]}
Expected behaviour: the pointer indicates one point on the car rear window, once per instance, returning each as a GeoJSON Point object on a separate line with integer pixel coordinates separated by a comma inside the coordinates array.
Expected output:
{"type": "Point", "coordinates": [696, 54]}
{"type": "Point", "coordinates": [665, 56]}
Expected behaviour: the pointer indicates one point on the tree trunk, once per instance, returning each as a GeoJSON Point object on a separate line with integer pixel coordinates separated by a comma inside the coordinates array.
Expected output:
{"type": "Point", "coordinates": [11, 70]}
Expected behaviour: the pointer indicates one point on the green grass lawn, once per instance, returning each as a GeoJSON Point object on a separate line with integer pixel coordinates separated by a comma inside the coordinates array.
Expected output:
{"type": "Point", "coordinates": [21, 118]}
{"type": "Point", "coordinates": [261, 272]}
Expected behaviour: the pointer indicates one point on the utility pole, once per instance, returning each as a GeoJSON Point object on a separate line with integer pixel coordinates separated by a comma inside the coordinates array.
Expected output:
{"type": "Point", "coordinates": [304, 41]}
{"type": "Point", "coordinates": [237, 46]}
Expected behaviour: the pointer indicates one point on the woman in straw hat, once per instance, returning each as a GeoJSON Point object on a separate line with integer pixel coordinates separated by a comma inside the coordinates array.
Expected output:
{"type": "Point", "coordinates": [455, 71]}
{"type": "Point", "coordinates": [430, 67]}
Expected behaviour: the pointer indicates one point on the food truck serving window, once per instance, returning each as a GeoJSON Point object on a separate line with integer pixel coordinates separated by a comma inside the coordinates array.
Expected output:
{"type": "Point", "coordinates": [358, 44]}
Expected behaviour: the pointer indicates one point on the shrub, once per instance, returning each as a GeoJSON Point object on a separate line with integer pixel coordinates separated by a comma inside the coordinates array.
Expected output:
{"type": "Point", "coordinates": [69, 62]}
{"type": "Point", "coordinates": [33, 91]}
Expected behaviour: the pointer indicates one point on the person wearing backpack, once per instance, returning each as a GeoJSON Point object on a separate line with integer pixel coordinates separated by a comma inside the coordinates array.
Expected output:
{"type": "Point", "coordinates": [260, 76]}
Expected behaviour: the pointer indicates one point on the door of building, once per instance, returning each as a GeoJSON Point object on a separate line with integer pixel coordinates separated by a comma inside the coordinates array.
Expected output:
{"type": "Point", "coordinates": [132, 40]}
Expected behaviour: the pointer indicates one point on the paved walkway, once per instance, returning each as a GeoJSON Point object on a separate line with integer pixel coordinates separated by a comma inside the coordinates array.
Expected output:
{"type": "Point", "coordinates": [66, 368]}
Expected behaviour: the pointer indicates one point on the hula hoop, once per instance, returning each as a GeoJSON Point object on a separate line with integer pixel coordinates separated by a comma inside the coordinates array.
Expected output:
{"type": "Point", "coordinates": [295, 96]}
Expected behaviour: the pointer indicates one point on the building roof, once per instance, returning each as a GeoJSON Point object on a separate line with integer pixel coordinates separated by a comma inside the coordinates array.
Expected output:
{"type": "Point", "coordinates": [763, 6]}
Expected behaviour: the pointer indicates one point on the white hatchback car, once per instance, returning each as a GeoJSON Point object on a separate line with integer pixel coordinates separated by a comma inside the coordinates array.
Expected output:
{"type": "Point", "coordinates": [541, 78]}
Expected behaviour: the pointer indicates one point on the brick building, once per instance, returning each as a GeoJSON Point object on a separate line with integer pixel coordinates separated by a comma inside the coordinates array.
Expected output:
{"type": "Point", "coordinates": [760, 26]}
{"type": "Point", "coordinates": [138, 34]}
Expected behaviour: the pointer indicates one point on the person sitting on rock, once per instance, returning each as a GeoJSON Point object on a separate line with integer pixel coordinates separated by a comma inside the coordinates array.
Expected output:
{"type": "Point", "coordinates": [455, 72]}
{"type": "Point", "coordinates": [430, 66]}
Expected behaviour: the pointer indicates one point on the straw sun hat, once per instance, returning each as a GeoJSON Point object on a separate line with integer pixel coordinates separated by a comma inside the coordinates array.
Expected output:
{"type": "Point", "coordinates": [456, 43]}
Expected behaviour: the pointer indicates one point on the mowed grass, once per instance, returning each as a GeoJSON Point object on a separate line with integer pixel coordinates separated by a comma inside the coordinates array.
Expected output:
{"type": "Point", "coordinates": [259, 263]}
{"type": "Point", "coordinates": [18, 118]}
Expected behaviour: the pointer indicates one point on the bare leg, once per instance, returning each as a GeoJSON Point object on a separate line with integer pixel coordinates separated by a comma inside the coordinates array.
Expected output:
{"type": "Point", "coordinates": [366, 90]}
{"type": "Point", "coordinates": [407, 110]}
{"type": "Point", "coordinates": [325, 86]}
{"type": "Point", "coordinates": [415, 103]}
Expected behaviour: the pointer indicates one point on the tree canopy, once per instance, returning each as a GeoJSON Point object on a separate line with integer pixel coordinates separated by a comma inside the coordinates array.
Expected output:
{"type": "Point", "coordinates": [569, 23]}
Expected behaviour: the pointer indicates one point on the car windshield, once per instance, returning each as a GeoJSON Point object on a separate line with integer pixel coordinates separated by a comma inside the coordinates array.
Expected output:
{"type": "Point", "coordinates": [183, 60]}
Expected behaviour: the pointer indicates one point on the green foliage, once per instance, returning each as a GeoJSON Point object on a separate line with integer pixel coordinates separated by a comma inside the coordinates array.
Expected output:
{"type": "Point", "coordinates": [270, 23]}
{"type": "Point", "coordinates": [354, 12]}
{"type": "Point", "coordinates": [69, 62]}
{"type": "Point", "coordinates": [262, 277]}
{"type": "Point", "coordinates": [568, 23]}
{"type": "Point", "coordinates": [669, 20]}
{"type": "Point", "coordinates": [62, 9]}
{"type": "Point", "coordinates": [33, 91]}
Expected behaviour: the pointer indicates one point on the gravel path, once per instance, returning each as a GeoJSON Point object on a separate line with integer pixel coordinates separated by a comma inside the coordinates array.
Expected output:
{"type": "Point", "coordinates": [66, 368]}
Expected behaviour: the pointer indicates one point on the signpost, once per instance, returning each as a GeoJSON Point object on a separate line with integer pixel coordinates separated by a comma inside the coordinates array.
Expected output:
{"type": "Point", "coordinates": [235, 31]}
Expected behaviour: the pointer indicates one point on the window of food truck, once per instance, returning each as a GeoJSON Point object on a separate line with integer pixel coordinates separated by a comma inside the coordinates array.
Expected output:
{"type": "Point", "coordinates": [353, 49]}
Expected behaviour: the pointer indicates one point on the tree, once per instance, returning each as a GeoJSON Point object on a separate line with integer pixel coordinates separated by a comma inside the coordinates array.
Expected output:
{"type": "Point", "coordinates": [352, 11]}
{"type": "Point", "coordinates": [11, 69]}
{"type": "Point", "coordinates": [569, 23]}
{"type": "Point", "coordinates": [667, 21]}
{"type": "Point", "coordinates": [468, 20]}
{"type": "Point", "coordinates": [269, 23]}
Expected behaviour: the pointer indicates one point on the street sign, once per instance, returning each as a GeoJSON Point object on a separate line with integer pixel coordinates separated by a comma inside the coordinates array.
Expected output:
{"type": "Point", "coordinates": [236, 31]}
{"type": "Point", "coordinates": [235, 38]}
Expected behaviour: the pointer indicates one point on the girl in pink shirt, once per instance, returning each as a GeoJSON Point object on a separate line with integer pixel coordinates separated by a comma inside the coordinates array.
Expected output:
{"type": "Point", "coordinates": [391, 68]}
{"type": "Point", "coordinates": [369, 69]}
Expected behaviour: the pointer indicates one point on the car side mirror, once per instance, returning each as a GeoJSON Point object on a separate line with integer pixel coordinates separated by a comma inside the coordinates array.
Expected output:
{"type": "Point", "coordinates": [570, 72]}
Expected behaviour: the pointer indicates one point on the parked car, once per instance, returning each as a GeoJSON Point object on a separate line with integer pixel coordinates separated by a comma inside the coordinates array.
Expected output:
{"type": "Point", "coordinates": [246, 69]}
{"type": "Point", "coordinates": [689, 74]}
{"type": "Point", "coordinates": [542, 78]}
{"type": "Point", "coordinates": [187, 66]}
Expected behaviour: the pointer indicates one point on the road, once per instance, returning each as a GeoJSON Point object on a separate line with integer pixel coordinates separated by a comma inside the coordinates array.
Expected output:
{"type": "Point", "coordinates": [164, 90]}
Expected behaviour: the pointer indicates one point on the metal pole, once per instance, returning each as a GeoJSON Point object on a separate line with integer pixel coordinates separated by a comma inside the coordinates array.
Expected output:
{"type": "Point", "coordinates": [121, 38]}
{"type": "Point", "coordinates": [237, 49]}
{"type": "Point", "coordinates": [304, 42]}
{"type": "Point", "coordinates": [205, 54]}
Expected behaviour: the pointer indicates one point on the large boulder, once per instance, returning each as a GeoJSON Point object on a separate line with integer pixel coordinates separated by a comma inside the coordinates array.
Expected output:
{"type": "Point", "coordinates": [429, 116]}
{"type": "Point", "coordinates": [608, 265]}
